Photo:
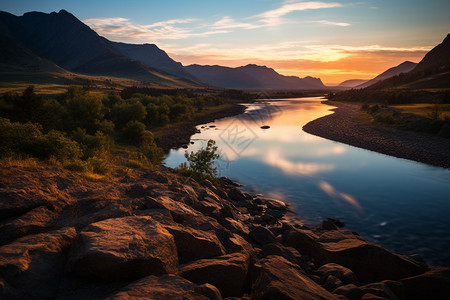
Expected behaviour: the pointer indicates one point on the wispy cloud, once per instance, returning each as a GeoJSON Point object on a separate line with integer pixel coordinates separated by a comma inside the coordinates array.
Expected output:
{"type": "Point", "coordinates": [331, 23]}
{"type": "Point", "coordinates": [274, 16]}
{"type": "Point", "coordinates": [289, 7]}
{"type": "Point", "coordinates": [122, 29]}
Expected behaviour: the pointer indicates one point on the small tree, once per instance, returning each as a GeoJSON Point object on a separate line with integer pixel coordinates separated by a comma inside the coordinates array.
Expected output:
{"type": "Point", "coordinates": [201, 162]}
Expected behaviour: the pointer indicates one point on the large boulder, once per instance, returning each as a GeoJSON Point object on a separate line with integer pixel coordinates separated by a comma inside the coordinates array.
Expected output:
{"type": "Point", "coordinates": [301, 239]}
{"type": "Point", "coordinates": [32, 266]}
{"type": "Point", "coordinates": [368, 261]}
{"type": "Point", "coordinates": [124, 248]}
{"type": "Point", "coordinates": [434, 284]}
{"type": "Point", "coordinates": [262, 235]}
{"type": "Point", "coordinates": [277, 278]}
{"type": "Point", "coordinates": [342, 273]}
{"type": "Point", "coordinates": [228, 273]}
{"type": "Point", "coordinates": [178, 210]}
{"type": "Point", "coordinates": [31, 222]}
{"type": "Point", "coordinates": [195, 244]}
{"type": "Point", "coordinates": [387, 289]}
{"type": "Point", "coordinates": [166, 287]}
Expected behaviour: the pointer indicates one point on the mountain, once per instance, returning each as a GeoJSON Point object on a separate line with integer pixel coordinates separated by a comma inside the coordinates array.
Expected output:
{"type": "Point", "coordinates": [251, 77]}
{"type": "Point", "coordinates": [16, 58]}
{"type": "Point", "coordinates": [351, 83]}
{"type": "Point", "coordinates": [432, 72]}
{"type": "Point", "coordinates": [404, 67]}
{"type": "Point", "coordinates": [438, 56]}
{"type": "Point", "coordinates": [224, 77]}
{"type": "Point", "coordinates": [66, 41]}
{"type": "Point", "coordinates": [152, 56]}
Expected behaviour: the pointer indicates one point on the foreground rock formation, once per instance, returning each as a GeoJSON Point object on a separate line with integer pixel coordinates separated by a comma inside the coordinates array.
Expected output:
{"type": "Point", "coordinates": [157, 235]}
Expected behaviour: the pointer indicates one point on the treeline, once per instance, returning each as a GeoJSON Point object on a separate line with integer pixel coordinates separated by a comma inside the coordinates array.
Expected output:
{"type": "Point", "coordinates": [80, 126]}
{"type": "Point", "coordinates": [390, 97]}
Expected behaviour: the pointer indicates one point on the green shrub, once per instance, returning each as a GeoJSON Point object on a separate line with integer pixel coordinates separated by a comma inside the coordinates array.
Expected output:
{"type": "Point", "coordinates": [153, 153]}
{"type": "Point", "coordinates": [201, 162]}
{"type": "Point", "coordinates": [135, 134]}
{"type": "Point", "coordinates": [99, 165]}
{"type": "Point", "coordinates": [76, 165]}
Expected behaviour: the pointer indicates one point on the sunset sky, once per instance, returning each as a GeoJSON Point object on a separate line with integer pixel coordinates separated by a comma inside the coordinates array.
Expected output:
{"type": "Point", "coordinates": [333, 40]}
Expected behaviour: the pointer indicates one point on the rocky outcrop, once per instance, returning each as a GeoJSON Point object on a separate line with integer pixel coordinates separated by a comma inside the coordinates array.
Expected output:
{"type": "Point", "coordinates": [166, 287]}
{"type": "Point", "coordinates": [157, 235]}
{"type": "Point", "coordinates": [124, 248]}
{"type": "Point", "coordinates": [228, 273]}
{"type": "Point", "coordinates": [31, 267]}
{"type": "Point", "coordinates": [277, 278]}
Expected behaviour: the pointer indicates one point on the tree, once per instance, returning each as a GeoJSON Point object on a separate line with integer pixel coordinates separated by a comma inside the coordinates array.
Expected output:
{"type": "Point", "coordinates": [201, 162]}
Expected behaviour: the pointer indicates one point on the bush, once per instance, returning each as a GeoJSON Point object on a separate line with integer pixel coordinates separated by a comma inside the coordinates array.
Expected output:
{"type": "Point", "coordinates": [135, 134]}
{"type": "Point", "coordinates": [27, 139]}
{"type": "Point", "coordinates": [201, 162]}
{"type": "Point", "coordinates": [153, 153]}
{"type": "Point", "coordinates": [99, 165]}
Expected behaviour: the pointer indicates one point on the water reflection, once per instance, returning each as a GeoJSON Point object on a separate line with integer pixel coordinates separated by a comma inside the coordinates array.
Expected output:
{"type": "Point", "coordinates": [400, 204]}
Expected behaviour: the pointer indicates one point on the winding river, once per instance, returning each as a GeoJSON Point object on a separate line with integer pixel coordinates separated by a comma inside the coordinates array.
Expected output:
{"type": "Point", "coordinates": [399, 204]}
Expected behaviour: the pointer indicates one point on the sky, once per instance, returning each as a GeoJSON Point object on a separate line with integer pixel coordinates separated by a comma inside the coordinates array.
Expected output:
{"type": "Point", "coordinates": [333, 40]}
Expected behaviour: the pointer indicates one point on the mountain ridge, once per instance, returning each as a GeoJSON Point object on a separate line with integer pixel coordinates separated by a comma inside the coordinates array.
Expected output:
{"type": "Point", "coordinates": [251, 76]}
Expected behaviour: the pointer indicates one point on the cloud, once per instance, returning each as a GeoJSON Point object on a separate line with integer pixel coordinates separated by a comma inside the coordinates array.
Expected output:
{"type": "Point", "coordinates": [274, 158]}
{"type": "Point", "coordinates": [331, 23]}
{"type": "Point", "coordinates": [335, 194]}
{"type": "Point", "coordinates": [289, 7]}
{"type": "Point", "coordinates": [122, 29]}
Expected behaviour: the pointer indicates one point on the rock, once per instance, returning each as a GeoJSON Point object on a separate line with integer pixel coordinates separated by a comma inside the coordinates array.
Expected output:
{"type": "Point", "coordinates": [370, 296]}
{"type": "Point", "coordinates": [156, 176]}
{"type": "Point", "coordinates": [332, 283]}
{"type": "Point", "coordinates": [383, 289]}
{"type": "Point", "coordinates": [301, 239]}
{"type": "Point", "coordinates": [236, 227]}
{"type": "Point", "coordinates": [350, 291]}
{"type": "Point", "coordinates": [236, 243]}
{"type": "Point", "coordinates": [34, 220]}
{"type": "Point", "coordinates": [288, 253]}
{"type": "Point", "coordinates": [332, 224]}
{"type": "Point", "coordinates": [434, 284]}
{"type": "Point", "coordinates": [178, 210]}
{"type": "Point", "coordinates": [344, 274]}
{"type": "Point", "coordinates": [277, 278]}
{"type": "Point", "coordinates": [166, 287]}
{"type": "Point", "coordinates": [32, 266]}
{"type": "Point", "coordinates": [368, 261]}
{"type": "Point", "coordinates": [124, 248]}
{"type": "Point", "coordinates": [228, 273]}
{"type": "Point", "coordinates": [236, 195]}
{"type": "Point", "coordinates": [195, 244]}
{"type": "Point", "coordinates": [262, 235]}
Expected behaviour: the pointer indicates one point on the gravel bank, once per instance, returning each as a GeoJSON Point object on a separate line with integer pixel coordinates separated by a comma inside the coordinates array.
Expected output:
{"type": "Point", "coordinates": [343, 127]}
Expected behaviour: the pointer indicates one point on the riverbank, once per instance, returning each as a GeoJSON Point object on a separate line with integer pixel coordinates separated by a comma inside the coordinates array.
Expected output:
{"type": "Point", "coordinates": [342, 126]}
{"type": "Point", "coordinates": [158, 235]}
{"type": "Point", "coordinates": [179, 134]}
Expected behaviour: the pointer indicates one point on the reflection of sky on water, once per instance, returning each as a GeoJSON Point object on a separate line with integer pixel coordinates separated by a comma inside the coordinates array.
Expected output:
{"type": "Point", "coordinates": [401, 204]}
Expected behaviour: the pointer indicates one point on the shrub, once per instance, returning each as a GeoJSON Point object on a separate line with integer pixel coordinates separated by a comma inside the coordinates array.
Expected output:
{"type": "Point", "coordinates": [201, 162]}
{"type": "Point", "coordinates": [135, 134]}
{"type": "Point", "coordinates": [99, 165]}
{"type": "Point", "coordinates": [153, 153]}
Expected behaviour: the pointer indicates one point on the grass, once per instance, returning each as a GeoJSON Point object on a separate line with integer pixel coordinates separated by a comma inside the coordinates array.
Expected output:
{"type": "Point", "coordinates": [425, 110]}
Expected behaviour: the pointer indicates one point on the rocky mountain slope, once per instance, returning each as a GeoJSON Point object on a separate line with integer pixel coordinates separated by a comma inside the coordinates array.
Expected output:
{"type": "Point", "coordinates": [404, 67]}
{"type": "Point", "coordinates": [69, 43]}
{"type": "Point", "coordinates": [251, 77]}
{"type": "Point", "coordinates": [157, 235]}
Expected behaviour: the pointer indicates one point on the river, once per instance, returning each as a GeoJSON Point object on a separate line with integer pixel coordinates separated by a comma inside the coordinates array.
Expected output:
{"type": "Point", "coordinates": [399, 204]}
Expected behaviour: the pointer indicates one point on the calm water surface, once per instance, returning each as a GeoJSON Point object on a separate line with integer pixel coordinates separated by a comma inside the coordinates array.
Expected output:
{"type": "Point", "coordinates": [400, 204]}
